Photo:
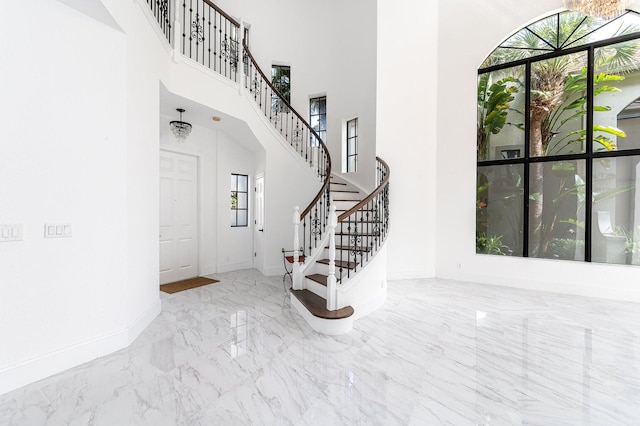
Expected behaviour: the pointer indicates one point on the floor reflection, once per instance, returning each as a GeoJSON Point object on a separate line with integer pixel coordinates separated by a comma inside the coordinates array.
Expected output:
{"type": "Point", "coordinates": [438, 352]}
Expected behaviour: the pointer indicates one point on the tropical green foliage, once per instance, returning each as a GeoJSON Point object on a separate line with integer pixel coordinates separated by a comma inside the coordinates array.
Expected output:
{"type": "Point", "coordinates": [489, 245]}
{"type": "Point", "coordinates": [281, 81]}
{"type": "Point", "coordinates": [494, 101]}
{"type": "Point", "coordinates": [574, 107]}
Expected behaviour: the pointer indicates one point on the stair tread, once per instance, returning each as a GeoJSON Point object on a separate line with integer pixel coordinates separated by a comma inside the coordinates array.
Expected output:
{"type": "Point", "coordinates": [339, 263]}
{"type": "Point", "coordinates": [353, 201]}
{"type": "Point", "coordinates": [319, 278]}
{"type": "Point", "coordinates": [350, 191]}
{"type": "Point", "coordinates": [317, 305]}
{"type": "Point", "coordinates": [369, 234]}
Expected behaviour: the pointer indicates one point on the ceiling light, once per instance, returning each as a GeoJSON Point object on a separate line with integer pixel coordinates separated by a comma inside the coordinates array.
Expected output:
{"type": "Point", "coordinates": [180, 129]}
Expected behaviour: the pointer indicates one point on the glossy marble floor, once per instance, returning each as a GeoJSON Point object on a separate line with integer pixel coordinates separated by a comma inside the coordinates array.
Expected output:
{"type": "Point", "coordinates": [438, 352]}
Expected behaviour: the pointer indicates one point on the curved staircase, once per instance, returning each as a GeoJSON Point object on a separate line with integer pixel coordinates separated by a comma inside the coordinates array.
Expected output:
{"type": "Point", "coordinates": [341, 233]}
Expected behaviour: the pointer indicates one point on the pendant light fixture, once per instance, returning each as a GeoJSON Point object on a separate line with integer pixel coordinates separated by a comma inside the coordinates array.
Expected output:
{"type": "Point", "coordinates": [181, 129]}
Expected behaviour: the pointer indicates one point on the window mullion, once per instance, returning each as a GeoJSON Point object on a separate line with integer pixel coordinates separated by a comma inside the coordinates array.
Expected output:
{"type": "Point", "coordinates": [526, 172]}
{"type": "Point", "coordinates": [589, 151]}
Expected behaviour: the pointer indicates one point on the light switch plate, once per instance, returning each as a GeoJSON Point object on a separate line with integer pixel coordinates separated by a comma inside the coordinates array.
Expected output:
{"type": "Point", "coordinates": [57, 230]}
{"type": "Point", "coordinates": [10, 233]}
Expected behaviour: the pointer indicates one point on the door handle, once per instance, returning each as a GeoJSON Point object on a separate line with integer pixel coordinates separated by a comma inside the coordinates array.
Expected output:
{"type": "Point", "coordinates": [261, 230]}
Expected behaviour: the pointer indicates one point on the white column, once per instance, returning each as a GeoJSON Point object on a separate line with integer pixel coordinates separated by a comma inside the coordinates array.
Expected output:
{"type": "Point", "coordinates": [296, 278]}
{"type": "Point", "coordinates": [332, 287]}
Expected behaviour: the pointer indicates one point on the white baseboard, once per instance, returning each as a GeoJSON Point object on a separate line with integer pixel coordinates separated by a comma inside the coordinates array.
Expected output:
{"type": "Point", "coordinates": [32, 370]}
{"type": "Point", "coordinates": [143, 320]}
{"type": "Point", "coordinates": [207, 270]}
{"type": "Point", "coordinates": [410, 274]}
{"type": "Point", "coordinates": [238, 266]}
{"type": "Point", "coordinates": [271, 271]}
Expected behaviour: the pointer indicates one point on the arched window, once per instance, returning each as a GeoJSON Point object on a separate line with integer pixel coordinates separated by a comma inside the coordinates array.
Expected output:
{"type": "Point", "coordinates": [558, 171]}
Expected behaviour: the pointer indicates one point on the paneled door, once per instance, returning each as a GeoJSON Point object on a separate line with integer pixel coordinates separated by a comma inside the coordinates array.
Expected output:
{"type": "Point", "coordinates": [258, 229]}
{"type": "Point", "coordinates": [178, 217]}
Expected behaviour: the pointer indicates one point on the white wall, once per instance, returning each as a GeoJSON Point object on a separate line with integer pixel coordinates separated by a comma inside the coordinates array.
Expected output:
{"type": "Point", "coordinates": [331, 48]}
{"type": "Point", "coordinates": [65, 160]}
{"type": "Point", "coordinates": [83, 149]}
{"type": "Point", "coordinates": [235, 245]}
{"type": "Point", "coordinates": [407, 107]}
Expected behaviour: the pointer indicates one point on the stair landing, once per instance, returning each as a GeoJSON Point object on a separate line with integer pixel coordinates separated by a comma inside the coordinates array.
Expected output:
{"type": "Point", "coordinates": [316, 305]}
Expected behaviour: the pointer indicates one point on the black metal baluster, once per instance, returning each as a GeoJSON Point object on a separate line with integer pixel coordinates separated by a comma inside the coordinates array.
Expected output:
{"type": "Point", "coordinates": [184, 19]}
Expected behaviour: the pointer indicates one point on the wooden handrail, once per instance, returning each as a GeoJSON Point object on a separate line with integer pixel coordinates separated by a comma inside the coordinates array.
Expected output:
{"type": "Point", "coordinates": [370, 197]}
{"type": "Point", "coordinates": [223, 13]}
{"type": "Point", "coordinates": [304, 122]}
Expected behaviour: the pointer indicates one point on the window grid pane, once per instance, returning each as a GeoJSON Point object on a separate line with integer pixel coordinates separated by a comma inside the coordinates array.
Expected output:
{"type": "Point", "coordinates": [318, 118]}
{"type": "Point", "coordinates": [352, 145]}
{"type": "Point", "coordinates": [239, 200]}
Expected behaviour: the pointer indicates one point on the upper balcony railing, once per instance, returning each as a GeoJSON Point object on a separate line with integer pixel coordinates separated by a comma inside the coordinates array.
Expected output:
{"type": "Point", "coordinates": [209, 36]}
{"type": "Point", "coordinates": [162, 12]}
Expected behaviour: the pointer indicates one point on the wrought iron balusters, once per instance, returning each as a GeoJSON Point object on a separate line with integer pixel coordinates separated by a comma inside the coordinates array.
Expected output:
{"type": "Point", "coordinates": [210, 37]}
{"type": "Point", "coordinates": [363, 229]}
{"type": "Point", "coordinates": [161, 11]}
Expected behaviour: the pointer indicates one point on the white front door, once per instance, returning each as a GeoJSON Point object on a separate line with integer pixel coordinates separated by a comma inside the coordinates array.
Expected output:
{"type": "Point", "coordinates": [178, 217]}
{"type": "Point", "coordinates": [258, 228]}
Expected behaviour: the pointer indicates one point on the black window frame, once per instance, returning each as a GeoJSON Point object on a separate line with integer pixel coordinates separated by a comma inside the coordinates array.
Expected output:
{"type": "Point", "coordinates": [589, 156]}
{"type": "Point", "coordinates": [350, 137]}
{"type": "Point", "coordinates": [235, 208]}
{"type": "Point", "coordinates": [320, 131]}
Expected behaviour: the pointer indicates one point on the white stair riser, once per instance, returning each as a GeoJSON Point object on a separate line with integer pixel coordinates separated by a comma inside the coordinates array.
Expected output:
{"type": "Point", "coordinates": [351, 196]}
{"type": "Point", "coordinates": [315, 287]}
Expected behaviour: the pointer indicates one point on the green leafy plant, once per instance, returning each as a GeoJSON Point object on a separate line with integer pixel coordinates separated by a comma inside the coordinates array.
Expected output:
{"type": "Point", "coordinates": [566, 248]}
{"type": "Point", "coordinates": [494, 104]}
{"type": "Point", "coordinates": [281, 81]}
{"type": "Point", "coordinates": [490, 245]}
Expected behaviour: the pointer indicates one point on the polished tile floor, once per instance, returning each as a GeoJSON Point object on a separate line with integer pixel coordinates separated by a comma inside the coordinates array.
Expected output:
{"type": "Point", "coordinates": [438, 352]}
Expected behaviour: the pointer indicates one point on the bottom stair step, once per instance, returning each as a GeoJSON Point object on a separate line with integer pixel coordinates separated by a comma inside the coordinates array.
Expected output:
{"type": "Point", "coordinates": [318, 305]}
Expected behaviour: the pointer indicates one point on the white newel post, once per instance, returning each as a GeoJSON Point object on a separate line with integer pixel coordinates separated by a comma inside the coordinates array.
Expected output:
{"type": "Point", "coordinates": [177, 30]}
{"type": "Point", "coordinates": [297, 281]}
{"type": "Point", "coordinates": [332, 287]}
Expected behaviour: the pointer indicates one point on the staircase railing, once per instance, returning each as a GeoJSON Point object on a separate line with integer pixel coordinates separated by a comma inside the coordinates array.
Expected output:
{"type": "Point", "coordinates": [210, 37]}
{"type": "Point", "coordinates": [295, 129]}
{"type": "Point", "coordinates": [362, 230]}
{"type": "Point", "coordinates": [302, 138]}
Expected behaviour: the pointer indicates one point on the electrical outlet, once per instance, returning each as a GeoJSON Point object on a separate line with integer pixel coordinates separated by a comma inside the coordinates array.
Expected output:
{"type": "Point", "coordinates": [57, 230]}
{"type": "Point", "coordinates": [10, 233]}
